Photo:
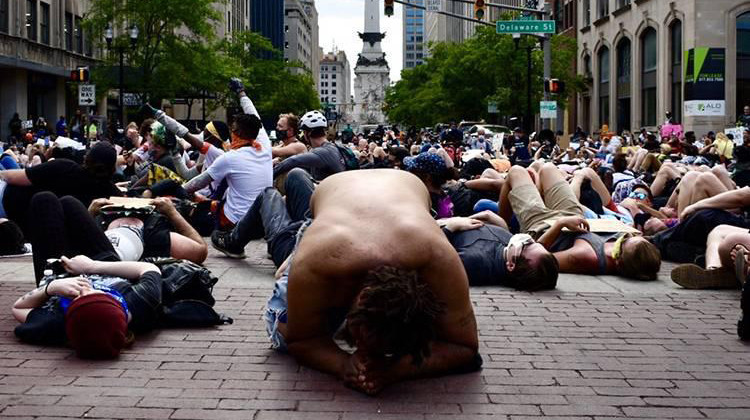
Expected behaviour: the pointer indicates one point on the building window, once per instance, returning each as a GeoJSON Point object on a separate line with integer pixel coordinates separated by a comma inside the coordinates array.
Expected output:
{"type": "Point", "coordinates": [586, 12]}
{"type": "Point", "coordinates": [31, 19]}
{"type": "Point", "coordinates": [333, 91]}
{"type": "Point", "coordinates": [604, 67]}
{"type": "Point", "coordinates": [78, 35]}
{"type": "Point", "coordinates": [743, 61]}
{"type": "Point", "coordinates": [675, 40]}
{"type": "Point", "coordinates": [624, 70]}
{"type": "Point", "coordinates": [333, 99]}
{"type": "Point", "coordinates": [622, 3]}
{"type": "Point", "coordinates": [602, 8]}
{"type": "Point", "coordinates": [44, 23]}
{"type": "Point", "coordinates": [648, 77]}
{"type": "Point", "coordinates": [68, 31]}
{"type": "Point", "coordinates": [333, 76]}
{"type": "Point", "coordinates": [4, 16]}
{"type": "Point", "coordinates": [333, 84]}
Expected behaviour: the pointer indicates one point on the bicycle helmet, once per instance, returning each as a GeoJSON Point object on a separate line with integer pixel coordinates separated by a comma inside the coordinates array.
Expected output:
{"type": "Point", "coordinates": [313, 119]}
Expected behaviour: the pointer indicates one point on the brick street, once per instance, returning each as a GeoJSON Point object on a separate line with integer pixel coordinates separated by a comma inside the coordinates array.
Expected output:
{"type": "Point", "coordinates": [595, 348]}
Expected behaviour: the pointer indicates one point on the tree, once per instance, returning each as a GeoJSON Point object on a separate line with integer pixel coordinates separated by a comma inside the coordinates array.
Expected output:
{"type": "Point", "coordinates": [176, 51]}
{"type": "Point", "coordinates": [458, 80]}
{"type": "Point", "coordinates": [274, 85]}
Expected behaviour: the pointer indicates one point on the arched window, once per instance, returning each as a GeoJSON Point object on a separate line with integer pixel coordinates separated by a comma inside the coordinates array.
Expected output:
{"type": "Point", "coordinates": [675, 65]}
{"type": "Point", "coordinates": [743, 61]}
{"type": "Point", "coordinates": [586, 96]}
{"type": "Point", "coordinates": [603, 80]}
{"type": "Point", "coordinates": [648, 77]}
{"type": "Point", "coordinates": [624, 77]}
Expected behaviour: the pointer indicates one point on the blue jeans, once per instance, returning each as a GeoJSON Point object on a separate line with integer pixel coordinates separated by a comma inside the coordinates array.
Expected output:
{"type": "Point", "coordinates": [278, 304]}
{"type": "Point", "coordinates": [276, 220]}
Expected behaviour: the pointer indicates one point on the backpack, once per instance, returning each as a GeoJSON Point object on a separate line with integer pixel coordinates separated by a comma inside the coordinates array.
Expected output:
{"type": "Point", "coordinates": [348, 158]}
{"type": "Point", "coordinates": [187, 299]}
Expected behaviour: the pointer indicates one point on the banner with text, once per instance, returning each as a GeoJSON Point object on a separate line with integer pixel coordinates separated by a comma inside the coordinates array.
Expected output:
{"type": "Point", "coordinates": [704, 76]}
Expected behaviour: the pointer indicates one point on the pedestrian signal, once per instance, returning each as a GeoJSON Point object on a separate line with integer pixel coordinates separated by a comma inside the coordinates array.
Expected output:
{"type": "Point", "coordinates": [80, 74]}
{"type": "Point", "coordinates": [554, 86]}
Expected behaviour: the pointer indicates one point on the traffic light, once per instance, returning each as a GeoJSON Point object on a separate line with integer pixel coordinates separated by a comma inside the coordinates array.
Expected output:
{"type": "Point", "coordinates": [389, 7]}
{"type": "Point", "coordinates": [479, 9]}
{"type": "Point", "coordinates": [554, 86]}
{"type": "Point", "coordinates": [81, 74]}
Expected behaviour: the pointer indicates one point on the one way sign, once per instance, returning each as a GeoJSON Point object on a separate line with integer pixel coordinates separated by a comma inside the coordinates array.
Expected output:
{"type": "Point", "coordinates": [86, 95]}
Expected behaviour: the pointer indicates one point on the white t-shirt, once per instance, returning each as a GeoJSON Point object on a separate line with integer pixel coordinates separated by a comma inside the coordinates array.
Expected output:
{"type": "Point", "coordinates": [248, 172]}
{"type": "Point", "coordinates": [209, 157]}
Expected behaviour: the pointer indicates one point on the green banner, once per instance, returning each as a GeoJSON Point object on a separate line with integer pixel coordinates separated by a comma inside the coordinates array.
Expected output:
{"type": "Point", "coordinates": [705, 72]}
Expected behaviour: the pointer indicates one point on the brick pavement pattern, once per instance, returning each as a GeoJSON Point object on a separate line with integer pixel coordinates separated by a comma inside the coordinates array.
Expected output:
{"type": "Point", "coordinates": [596, 348]}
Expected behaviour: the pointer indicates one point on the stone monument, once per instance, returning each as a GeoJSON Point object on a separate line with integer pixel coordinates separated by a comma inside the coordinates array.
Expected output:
{"type": "Point", "coordinates": [371, 72]}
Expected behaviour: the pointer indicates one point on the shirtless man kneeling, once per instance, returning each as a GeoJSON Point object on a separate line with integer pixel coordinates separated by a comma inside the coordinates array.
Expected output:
{"type": "Point", "coordinates": [373, 270]}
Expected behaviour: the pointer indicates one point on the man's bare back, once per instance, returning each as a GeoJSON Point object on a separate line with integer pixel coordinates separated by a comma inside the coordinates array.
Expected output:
{"type": "Point", "coordinates": [362, 221]}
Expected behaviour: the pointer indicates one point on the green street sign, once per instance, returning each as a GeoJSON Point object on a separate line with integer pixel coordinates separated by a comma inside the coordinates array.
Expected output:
{"type": "Point", "coordinates": [526, 26]}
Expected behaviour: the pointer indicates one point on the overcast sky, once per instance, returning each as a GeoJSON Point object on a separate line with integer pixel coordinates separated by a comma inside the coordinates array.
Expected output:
{"type": "Point", "coordinates": [340, 20]}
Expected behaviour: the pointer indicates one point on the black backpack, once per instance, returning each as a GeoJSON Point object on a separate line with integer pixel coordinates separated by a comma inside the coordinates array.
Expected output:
{"type": "Point", "coordinates": [187, 299]}
{"type": "Point", "coordinates": [348, 158]}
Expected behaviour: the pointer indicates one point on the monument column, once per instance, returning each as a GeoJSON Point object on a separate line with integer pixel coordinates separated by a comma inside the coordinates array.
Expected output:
{"type": "Point", "coordinates": [372, 71]}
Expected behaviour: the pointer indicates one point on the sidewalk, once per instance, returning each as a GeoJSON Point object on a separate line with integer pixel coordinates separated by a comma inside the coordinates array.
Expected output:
{"type": "Point", "coordinates": [596, 348]}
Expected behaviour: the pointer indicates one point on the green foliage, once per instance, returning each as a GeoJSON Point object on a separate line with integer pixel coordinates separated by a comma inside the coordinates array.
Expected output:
{"type": "Point", "coordinates": [274, 86]}
{"type": "Point", "coordinates": [458, 80]}
{"type": "Point", "coordinates": [172, 50]}
{"type": "Point", "coordinates": [178, 55]}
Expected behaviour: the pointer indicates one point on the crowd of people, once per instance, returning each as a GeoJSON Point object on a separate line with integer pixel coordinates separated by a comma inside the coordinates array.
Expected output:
{"type": "Point", "coordinates": [377, 236]}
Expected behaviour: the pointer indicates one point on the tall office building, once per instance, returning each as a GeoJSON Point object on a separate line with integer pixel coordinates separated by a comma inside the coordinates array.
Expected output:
{"type": "Point", "coordinates": [646, 57]}
{"type": "Point", "coordinates": [41, 41]}
{"type": "Point", "coordinates": [441, 28]}
{"type": "Point", "coordinates": [301, 35]}
{"type": "Point", "coordinates": [267, 18]}
{"type": "Point", "coordinates": [335, 87]}
{"type": "Point", "coordinates": [415, 45]}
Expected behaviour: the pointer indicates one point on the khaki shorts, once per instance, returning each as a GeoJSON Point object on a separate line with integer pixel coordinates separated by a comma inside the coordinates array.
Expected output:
{"type": "Point", "coordinates": [534, 214]}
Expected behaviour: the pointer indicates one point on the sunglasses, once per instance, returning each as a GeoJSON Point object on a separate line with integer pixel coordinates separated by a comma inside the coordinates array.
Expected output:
{"type": "Point", "coordinates": [638, 195]}
{"type": "Point", "coordinates": [617, 249]}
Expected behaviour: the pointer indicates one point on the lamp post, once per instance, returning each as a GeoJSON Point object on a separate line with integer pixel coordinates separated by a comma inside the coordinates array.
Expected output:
{"type": "Point", "coordinates": [109, 36]}
{"type": "Point", "coordinates": [528, 48]}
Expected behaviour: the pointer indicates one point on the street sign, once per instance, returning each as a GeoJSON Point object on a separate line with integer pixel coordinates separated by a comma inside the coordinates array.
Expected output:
{"type": "Point", "coordinates": [525, 26]}
{"type": "Point", "coordinates": [86, 95]}
{"type": "Point", "coordinates": [492, 107]}
{"type": "Point", "coordinates": [548, 109]}
{"type": "Point", "coordinates": [130, 99]}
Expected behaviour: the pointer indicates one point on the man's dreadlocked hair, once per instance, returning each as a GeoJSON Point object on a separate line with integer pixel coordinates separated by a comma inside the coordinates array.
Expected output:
{"type": "Point", "coordinates": [397, 312]}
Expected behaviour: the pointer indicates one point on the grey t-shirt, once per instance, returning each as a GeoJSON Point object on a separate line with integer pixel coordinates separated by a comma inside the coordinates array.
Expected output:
{"type": "Point", "coordinates": [481, 252]}
{"type": "Point", "coordinates": [320, 162]}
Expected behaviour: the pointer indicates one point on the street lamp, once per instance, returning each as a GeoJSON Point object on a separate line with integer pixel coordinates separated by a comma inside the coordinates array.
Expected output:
{"type": "Point", "coordinates": [109, 36]}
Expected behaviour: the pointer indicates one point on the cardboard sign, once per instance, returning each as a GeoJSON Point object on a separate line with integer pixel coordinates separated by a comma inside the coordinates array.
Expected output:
{"type": "Point", "coordinates": [130, 202]}
{"type": "Point", "coordinates": [604, 226]}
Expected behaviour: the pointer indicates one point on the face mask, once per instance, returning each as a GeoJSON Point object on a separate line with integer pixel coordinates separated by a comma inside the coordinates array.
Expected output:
{"type": "Point", "coordinates": [282, 135]}
{"type": "Point", "coordinates": [520, 239]}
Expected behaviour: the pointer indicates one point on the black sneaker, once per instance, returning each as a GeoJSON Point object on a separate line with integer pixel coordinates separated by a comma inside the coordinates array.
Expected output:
{"type": "Point", "coordinates": [220, 241]}
{"type": "Point", "coordinates": [743, 325]}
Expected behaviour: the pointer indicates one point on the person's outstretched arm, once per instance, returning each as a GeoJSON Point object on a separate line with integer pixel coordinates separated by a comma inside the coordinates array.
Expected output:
{"type": "Point", "coordinates": [306, 160]}
{"type": "Point", "coordinates": [131, 270]}
{"type": "Point", "coordinates": [248, 107]}
{"type": "Point", "coordinates": [186, 242]}
{"type": "Point", "coordinates": [727, 200]}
